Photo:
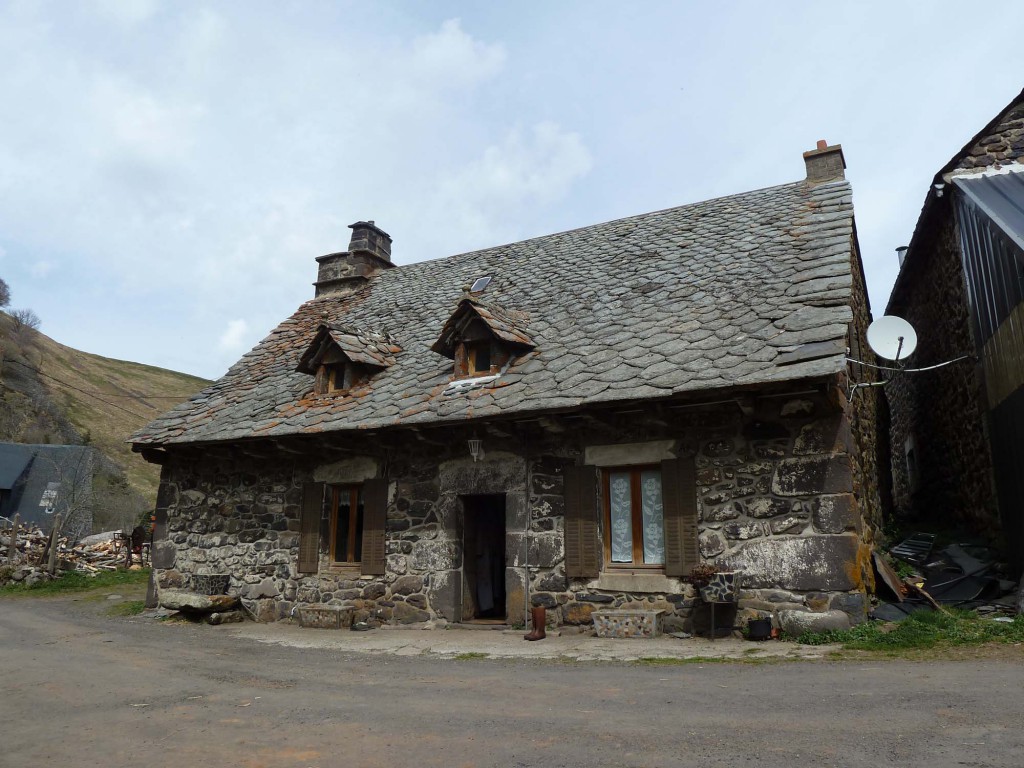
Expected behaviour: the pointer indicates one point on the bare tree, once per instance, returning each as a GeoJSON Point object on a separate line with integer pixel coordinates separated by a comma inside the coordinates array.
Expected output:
{"type": "Point", "coordinates": [5, 293]}
{"type": "Point", "coordinates": [70, 492]}
{"type": "Point", "coordinates": [24, 322]}
{"type": "Point", "coordinates": [25, 318]}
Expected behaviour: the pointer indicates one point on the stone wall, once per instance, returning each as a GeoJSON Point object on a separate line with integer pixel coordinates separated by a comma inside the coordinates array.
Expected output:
{"type": "Point", "coordinates": [868, 411]}
{"type": "Point", "coordinates": [939, 414]}
{"type": "Point", "coordinates": [1003, 144]}
{"type": "Point", "coordinates": [775, 500]}
{"type": "Point", "coordinates": [776, 486]}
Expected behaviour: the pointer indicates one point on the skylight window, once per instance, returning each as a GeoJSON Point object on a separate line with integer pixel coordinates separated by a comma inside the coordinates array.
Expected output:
{"type": "Point", "coordinates": [480, 283]}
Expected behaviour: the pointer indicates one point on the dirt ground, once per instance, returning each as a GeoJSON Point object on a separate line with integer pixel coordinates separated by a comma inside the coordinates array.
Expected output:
{"type": "Point", "coordinates": [80, 688]}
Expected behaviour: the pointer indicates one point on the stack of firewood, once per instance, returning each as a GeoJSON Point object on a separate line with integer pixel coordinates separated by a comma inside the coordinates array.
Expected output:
{"type": "Point", "coordinates": [28, 546]}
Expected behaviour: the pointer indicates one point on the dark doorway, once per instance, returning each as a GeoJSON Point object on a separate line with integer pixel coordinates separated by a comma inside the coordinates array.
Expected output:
{"type": "Point", "coordinates": [484, 558]}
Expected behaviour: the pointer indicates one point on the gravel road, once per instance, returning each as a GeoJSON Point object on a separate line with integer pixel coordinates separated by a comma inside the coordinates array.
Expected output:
{"type": "Point", "coordinates": [82, 689]}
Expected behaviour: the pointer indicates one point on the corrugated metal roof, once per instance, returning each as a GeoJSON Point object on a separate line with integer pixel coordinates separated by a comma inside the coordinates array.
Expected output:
{"type": "Point", "coordinates": [1001, 197]}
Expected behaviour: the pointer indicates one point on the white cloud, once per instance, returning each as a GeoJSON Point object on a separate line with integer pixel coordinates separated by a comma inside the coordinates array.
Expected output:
{"type": "Point", "coordinates": [526, 169]}
{"type": "Point", "coordinates": [233, 337]}
{"type": "Point", "coordinates": [452, 58]}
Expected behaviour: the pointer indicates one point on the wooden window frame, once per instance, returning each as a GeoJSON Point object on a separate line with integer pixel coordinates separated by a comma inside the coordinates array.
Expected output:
{"type": "Point", "coordinates": [355, 496]}
{"type": "Point", "coordinates": [636, 508]}
{"type": "Point", "coordinates": [473, 349]}
{"type": "Point", "coordinates": [335, 375]}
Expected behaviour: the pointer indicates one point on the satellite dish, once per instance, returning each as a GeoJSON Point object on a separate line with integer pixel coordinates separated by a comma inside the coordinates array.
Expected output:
{"type": "Point", "coordinates": [892, 337]}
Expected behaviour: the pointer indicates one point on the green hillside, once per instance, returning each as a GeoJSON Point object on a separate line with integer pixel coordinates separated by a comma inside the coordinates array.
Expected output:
{"type": "Point", "coordinates": [50, 393]}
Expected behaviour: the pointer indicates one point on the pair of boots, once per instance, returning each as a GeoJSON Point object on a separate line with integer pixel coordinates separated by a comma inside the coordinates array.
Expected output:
{"type": "Point", "coordinates": [539, 617]}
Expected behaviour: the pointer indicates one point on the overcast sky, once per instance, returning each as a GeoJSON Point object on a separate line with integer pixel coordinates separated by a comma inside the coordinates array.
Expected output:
{"type": "Point", "coordinates": [169, 170]}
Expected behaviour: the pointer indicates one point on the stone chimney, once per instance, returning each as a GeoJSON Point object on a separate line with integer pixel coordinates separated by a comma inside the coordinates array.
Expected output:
{"type": "Point", "coordinates": [825, 163]}
{"type": "Point", "coordinates": [369, 251]}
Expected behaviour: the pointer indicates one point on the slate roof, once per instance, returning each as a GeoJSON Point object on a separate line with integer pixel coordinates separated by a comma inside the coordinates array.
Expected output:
{"type": "Point", "coordinates": [742, 290]}
{"type": "Point", "coordinates": [14, 458]}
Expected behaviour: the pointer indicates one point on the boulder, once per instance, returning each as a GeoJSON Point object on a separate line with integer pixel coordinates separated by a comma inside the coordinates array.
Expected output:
{"type": "Point", "coordinates": [190, 602]}
{"type": "Point", "coordinates": [407, 614]}
{"type": "Point", "coordinates": [795, 623]}
{"type": "Point", "coordinates": [265, 588]}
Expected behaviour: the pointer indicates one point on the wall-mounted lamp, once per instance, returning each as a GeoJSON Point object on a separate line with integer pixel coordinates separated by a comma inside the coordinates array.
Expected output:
{"type": "Point", "coordinates": [476, 448]}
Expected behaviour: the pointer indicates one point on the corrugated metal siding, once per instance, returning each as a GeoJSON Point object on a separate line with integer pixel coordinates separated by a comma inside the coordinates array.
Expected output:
{"type": "Point", "coordinates": [990, 212]}
{"type": "Point", "coordinates": [993, 260]}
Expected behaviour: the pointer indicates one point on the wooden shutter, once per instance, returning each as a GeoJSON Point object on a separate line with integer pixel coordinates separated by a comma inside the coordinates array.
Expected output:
{"type": "Point", "coordinates": [582, 548]}
{"type": "Point", "coordinates": [375, 507]}
{"type": "Point", "coordinates": [309, 527]}
{"type": "Point", "coordinates": [679, 494]}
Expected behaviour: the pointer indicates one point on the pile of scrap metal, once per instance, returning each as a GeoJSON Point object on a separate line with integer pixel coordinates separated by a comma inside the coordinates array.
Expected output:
{"type": "Point", "coordinates": [960, 575]}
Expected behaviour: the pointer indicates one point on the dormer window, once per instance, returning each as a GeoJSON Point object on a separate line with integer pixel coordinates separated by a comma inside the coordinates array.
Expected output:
{"type": "Point", "coordinates": [339, 377]}
{"type": "Point", "coordinates": [342, 357]}
{"type": "Point", "coordinates": [481, 338]}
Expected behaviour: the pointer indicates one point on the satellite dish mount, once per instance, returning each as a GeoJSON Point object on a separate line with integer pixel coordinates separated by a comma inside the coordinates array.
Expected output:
{"type": "Point", "coordinates": [893, 338]}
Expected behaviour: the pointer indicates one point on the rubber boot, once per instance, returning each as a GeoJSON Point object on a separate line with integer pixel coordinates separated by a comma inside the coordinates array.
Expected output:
{"type": "Point", "coordinates": [539, 616]}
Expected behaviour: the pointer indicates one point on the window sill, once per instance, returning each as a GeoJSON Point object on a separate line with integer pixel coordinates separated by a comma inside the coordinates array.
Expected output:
{"type": "Point", "coordinates": [352, 570]}
{"type": "Point", "coordinates": [631, 581]}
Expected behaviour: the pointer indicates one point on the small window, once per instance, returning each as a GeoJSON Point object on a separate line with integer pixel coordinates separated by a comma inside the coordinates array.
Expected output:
{"type": "Point", "coordinates": [475, 358]}
{"type": "Point", "coordinates": [634, 528]}
{"type": "Point", "coordinates": [336, 377]}
{"type": "Point", "coordinates": [346, 525]}
{"type": "Point", "coordinates": [480, 358]}
{"type": "Point", "coordinates": [480, 284]}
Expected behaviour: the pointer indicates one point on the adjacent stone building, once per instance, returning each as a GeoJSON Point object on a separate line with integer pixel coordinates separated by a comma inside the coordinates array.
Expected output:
{"type": "Point", "coordinates": [572, 421]}
{"type": "Point", "coordinates": [956, 429]}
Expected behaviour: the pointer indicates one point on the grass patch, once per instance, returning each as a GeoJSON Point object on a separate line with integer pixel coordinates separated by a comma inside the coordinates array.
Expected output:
{"type": "Point", "coordinates": [924, 629]}
{"type": "Point", "coordinates": [471, 655]}
{"type": "Point", "coordinates": [127, 608]}
{"type": "Point", "coordinates": [77, 582]}
{"type": "Point", "coordinates": [665, 661]}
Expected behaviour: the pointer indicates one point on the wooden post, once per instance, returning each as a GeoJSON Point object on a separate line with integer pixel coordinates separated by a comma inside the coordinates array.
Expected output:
{"type": "Point", "coordinates": [12, 549]}
{"type": "Point", "coordinates": [51, 566]}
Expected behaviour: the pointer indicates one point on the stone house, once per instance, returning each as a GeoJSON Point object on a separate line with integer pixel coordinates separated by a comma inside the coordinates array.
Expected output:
{"type": "Point", "coordinates": [956, 430]}
{"type": "Point", "coordinates": [571, 421]}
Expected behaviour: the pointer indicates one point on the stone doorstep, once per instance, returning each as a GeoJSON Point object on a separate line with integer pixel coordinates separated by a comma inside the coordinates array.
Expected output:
{"type": "Point", "coordinates": [325, 616]}
{"type": "Point", "coordinates": [629, 624]}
